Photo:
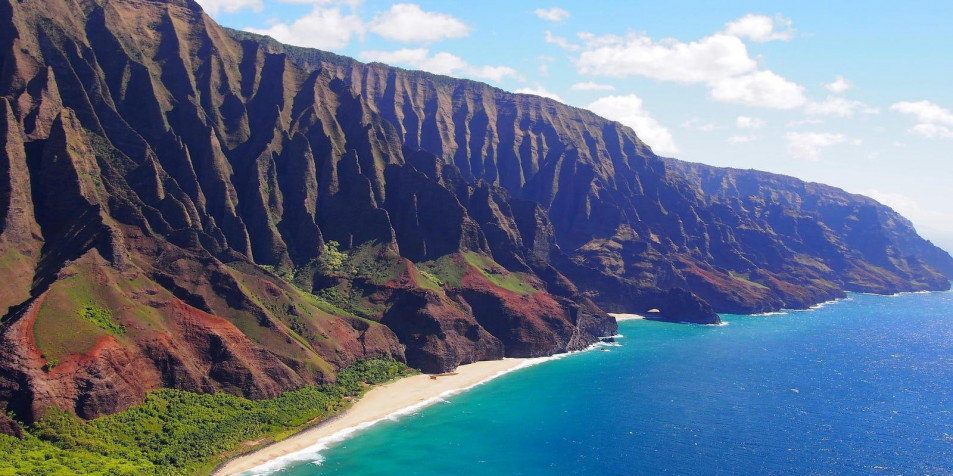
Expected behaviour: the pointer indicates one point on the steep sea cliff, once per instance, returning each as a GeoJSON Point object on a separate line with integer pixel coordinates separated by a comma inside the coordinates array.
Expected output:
{"type": "Point", "coordinates": [210, 210]}
{"type": "Point", "coordinates": [857, 386]}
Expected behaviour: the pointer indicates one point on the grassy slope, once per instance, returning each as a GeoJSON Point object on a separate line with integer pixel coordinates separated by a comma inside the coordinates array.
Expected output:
{"type": "Point", "coordinates": [180, 433]}
{"type": "Point", "coordinates": [449, 271]}
{"type": "Point", "coordinates": [88, 305]}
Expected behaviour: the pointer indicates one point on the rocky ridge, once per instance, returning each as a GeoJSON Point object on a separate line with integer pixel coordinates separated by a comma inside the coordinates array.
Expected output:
{"type": "Point", "coordinates": [194, 207]}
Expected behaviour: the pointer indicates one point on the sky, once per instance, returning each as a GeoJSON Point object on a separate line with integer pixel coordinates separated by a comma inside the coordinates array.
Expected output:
{"type": "Point", "coordinates": [852, 94]}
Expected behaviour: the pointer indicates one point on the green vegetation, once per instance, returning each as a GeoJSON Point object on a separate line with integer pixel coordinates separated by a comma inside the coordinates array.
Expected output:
{"type": "Point", "coordinates": [372, 262]}
{"type": "Point", "coordinates": [427, 280]}
{"type": "Point", "coordinates": [743, 277]}
{"type": "Point", "coordinates": [497, 275]}
{"type": "Point", "coordinates": [354, 297]}
{"type": "Point", "coordinates": [376, 264]}
{"type": "Point", "coordinates": [177, 432]}
{"type": "Point", "coordinates": [333, 259]}
{"type": "Point", "coordinates": [89, 304]}
{"type": "Point", "coordinates": [363, 269]}
{"type": "Point", "coordinates": [51, 364]}
{"type": "Point", "coordinates": [446, 270]}
{"type": "Point", "coordinates": [449, 270]}
{"type": "Point", "coordinates": [102, 318]}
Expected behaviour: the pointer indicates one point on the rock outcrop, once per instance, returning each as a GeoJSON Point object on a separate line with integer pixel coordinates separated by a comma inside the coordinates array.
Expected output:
{"type": "Point", "coordinates": [183, 205]}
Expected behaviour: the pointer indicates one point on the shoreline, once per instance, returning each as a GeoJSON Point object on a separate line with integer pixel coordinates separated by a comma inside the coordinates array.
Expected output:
{"type": "Point", "coordinates": [407, 396]}
{"type": "Point", "coordinates": [619, 317]}
{"type": "Point", "coordinates": [401, 397]}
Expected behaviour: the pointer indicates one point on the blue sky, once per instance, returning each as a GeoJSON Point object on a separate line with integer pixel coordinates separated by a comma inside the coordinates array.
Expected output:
{"type": "Point", "coordinates": [853, 94]}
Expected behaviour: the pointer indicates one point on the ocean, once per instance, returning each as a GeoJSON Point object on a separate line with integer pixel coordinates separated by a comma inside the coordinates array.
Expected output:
{"type": "Point", "coordinates": [862, 385]}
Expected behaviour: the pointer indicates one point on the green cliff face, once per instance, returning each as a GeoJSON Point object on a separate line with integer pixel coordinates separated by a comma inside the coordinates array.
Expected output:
{"type": "Point", "coordinates": [255, 217]}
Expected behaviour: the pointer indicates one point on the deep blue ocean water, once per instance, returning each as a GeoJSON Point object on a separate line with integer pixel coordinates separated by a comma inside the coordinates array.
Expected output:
{"type": "Point", "coordinates": [860, 386]}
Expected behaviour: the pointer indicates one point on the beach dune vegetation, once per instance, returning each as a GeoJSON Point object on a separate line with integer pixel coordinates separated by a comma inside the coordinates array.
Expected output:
{"type": "Point", "coordinates": [175, 432]}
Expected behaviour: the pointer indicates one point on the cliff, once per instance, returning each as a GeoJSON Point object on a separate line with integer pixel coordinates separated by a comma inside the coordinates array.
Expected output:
{"type": "Point", "coordinates": [194, 207]}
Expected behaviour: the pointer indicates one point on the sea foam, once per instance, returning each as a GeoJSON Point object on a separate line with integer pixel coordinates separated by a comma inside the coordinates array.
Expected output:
{"type": "Point", "coordinates": [313, 453]}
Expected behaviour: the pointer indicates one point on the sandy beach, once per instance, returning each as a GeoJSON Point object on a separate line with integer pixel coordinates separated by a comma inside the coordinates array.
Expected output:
{"type": "Point", "coordinates": [402, 396]}
{"type": "Point", "coordinates": [626, 317]}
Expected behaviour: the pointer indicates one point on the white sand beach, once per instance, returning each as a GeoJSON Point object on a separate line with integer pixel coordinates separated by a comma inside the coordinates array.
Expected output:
{"type": "Point", "coordinates": [401, 396]}
{"type": "Point", "coordinates": [626, 317]}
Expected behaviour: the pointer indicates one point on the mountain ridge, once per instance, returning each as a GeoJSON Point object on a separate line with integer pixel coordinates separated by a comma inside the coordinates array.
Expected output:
{"type": "Point", "coordinates": [201, 206]}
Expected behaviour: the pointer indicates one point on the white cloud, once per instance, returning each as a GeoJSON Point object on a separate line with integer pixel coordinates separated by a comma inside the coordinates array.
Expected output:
{"type": "Point", "coordinates": [720, 61]}
{"type": "Point", "coordinates": [544, 64]}
{"type": "Point", "coordinates": [214, 7]}
{"type": "Point", "coordinates": [560, 42]}
{"type": "Point", "coordinates": [541, 92]}
{"type": "Point", "coordinates": [899, 202]}
{"type": "Point", "coordinates": [808, 145]}
{"type": "Point", "coordinates": [740, 139]}
{"type": "Point", "coordinates": [323, 28]}
{"type": "Point", "coordinates": [699, 125]}
{"type": "Point", "coordinates": [439, 63]}
{"type": "Point", "coordinates": [931, 131]}
{"type": "Point", "coordinates": [762, 89]}
{"type": "Point", "coordinates": [745, 122]}
{"type": "Point", "coordinates": [495, 74]}
{"type": "Point", "coordinates": [933, 119]}
{"type": "Point", "coordinates": [924, 111]}
{"type": "Point", "coordinates": [709, 59]}
{"type": "Point", "coordinates": [592, 86]}
{"type": "Point", "coordinates": [350, 3]}
{"type": "Point", "coordinates": [804, 122]}
{"type": "Point", "coordinates": [407, 22]}
{"type": "Point", "coordinates": [839, 85]}
{"type": "Point", "coordinates": [629, 111]}
{"type": "Point", "coordinates": [761, 28]}
{"type": "Point", "coordinates": [838, 107]}
{"type": "Point", "coordinates": [552, 14]}
{"type": "Point", "coordinates": [931, 221]}
{"type": "Point", "coordinates": [411, 56]}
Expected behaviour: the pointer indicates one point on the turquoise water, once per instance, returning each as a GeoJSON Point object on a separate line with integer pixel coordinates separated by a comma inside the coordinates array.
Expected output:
{"type": "Point", "coordinates": [860, 386]}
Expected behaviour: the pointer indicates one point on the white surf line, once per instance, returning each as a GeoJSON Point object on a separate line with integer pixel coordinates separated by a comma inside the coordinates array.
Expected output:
{"type": "Point", "coordinates": [626, 317]}
{"type": "Point", "coordinates": [313, 452]}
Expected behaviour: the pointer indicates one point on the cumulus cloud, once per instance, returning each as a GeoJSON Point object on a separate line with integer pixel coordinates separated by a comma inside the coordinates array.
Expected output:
{"type": "Point", "coordinates": [762, 89]}
{"type": "Point", "coordinates": [924, 111]}
{"type": "Point", "coordinates": [560, 42]}
{"type": "Point", "coordinates": [934, 120]}
{"type": "Point", "coordinates": [420, 58]}
{"type": "Point", "coordinates": [408, 23]}
{"type": "Point", "coordinates": [720, 61]}
{"type": "Point", "coordinates": [839, 85]}
{"type": "Point", "coordinates": [592, 86]}
{"type": "Point", "coordinates": [552, 14]}
{"type": "Point", "coordinates": [808, 145]}
{"type": "Point", "coordinates": [323, 28]}
{"type": "Point", "coordinates": [838, 107]}
{"type": "Point", "coordinates": [712, 58]}
{"type": "Point", "coordinates": [544, 62]}
{"type": "Point", "coordinates": [745, 122]}
{"type": "Point", "coordinates": [698, 124]}
{"type": "Point", "coordinates": [214, 7]}
{"type": "Point", "coordinates": [438, 63]}
{"type": "Point", "coordinates": [629, 111]}
{"type": "Point", "coordinates": [541, 92]}
{"type": "Point", "coordinates": [931, 131]}
{"type": "Point", "coordinates": [804, 122]}
{"type": "Point", "coordinates": [761, 28]}
{"type": "Point", "coordinates": [350, 3]}
{"type": "Point", "coordinates": [494, 74]}
{"type": "Point", "coordinates": [927, 220]}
